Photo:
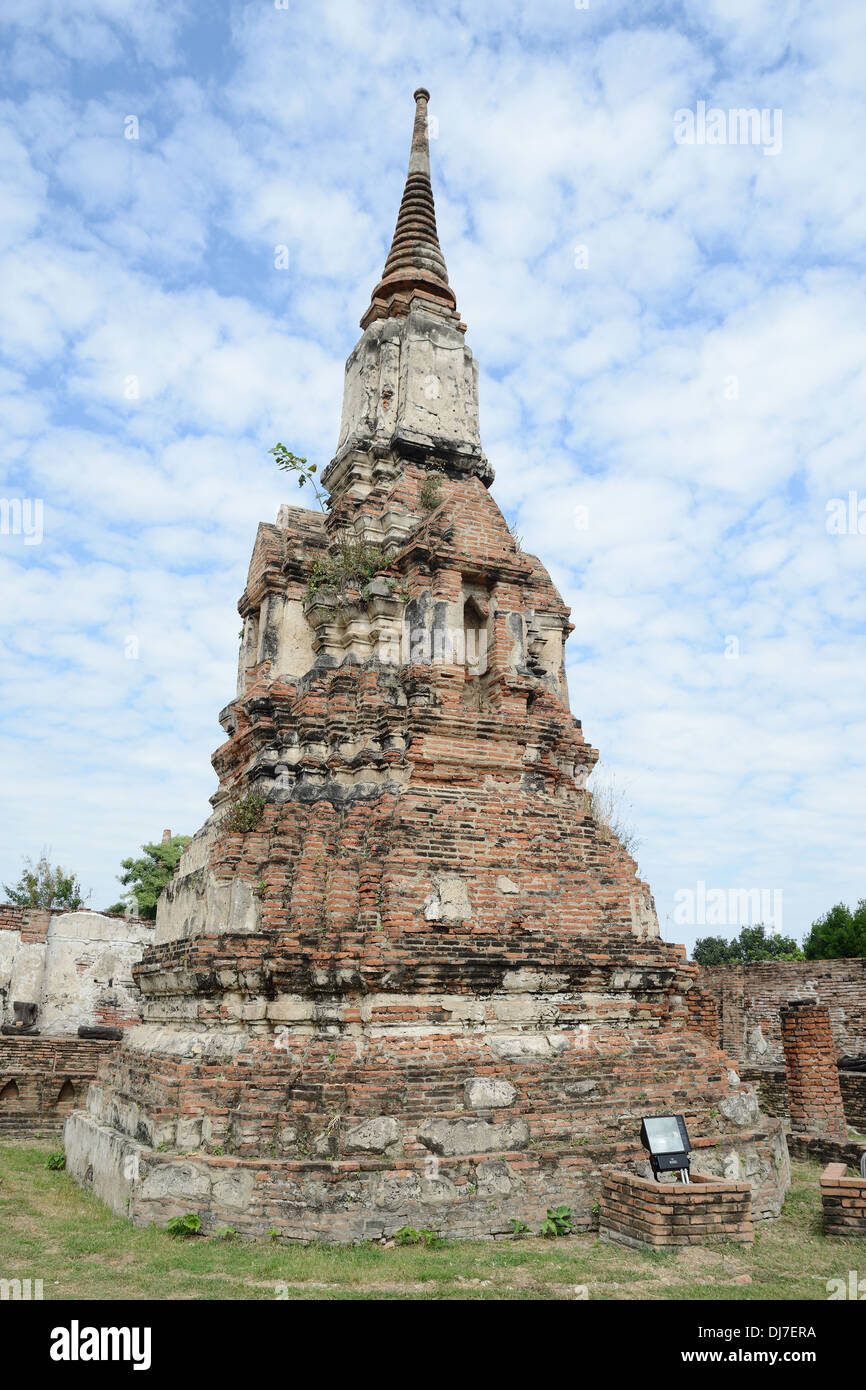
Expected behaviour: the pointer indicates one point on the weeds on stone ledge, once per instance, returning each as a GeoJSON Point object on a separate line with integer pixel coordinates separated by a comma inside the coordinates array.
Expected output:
{"type": "Point", "coordinates": [351, 563]}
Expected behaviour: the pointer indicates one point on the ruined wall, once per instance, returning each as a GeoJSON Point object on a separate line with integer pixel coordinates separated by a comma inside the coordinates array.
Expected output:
{"type": "Point", "coordinates": [75, 966]}
{"type": "Point", "coordinates": [42, 1080]}
{"type": "Point", "coordinates": [748, 999]}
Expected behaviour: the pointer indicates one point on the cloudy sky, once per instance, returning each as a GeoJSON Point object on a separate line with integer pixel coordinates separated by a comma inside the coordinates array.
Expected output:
{"type": "Point", "coordinates": [671, 336]}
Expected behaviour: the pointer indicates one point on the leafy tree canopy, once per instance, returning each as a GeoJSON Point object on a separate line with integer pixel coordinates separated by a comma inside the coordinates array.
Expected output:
{"type": "Point", "coordinates": [41, 885]}
{"type": "Point", "coordinates": [145, 878]}
{"type": "Point", "coordinates": [753, 943]}
{"type": "Point", "coordinates": [840, 932]}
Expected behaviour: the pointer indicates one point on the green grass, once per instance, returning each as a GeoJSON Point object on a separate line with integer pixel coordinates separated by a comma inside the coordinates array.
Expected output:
{"type": "Point", "coordinates": [51, 1230]}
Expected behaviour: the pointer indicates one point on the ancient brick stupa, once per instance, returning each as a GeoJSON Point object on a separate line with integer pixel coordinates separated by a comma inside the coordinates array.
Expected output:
{"type": "Point", "coordinates": [403, 976]}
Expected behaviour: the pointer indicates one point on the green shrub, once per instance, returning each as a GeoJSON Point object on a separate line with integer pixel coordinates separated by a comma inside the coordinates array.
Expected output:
{"type": "Point", "coordinates": [56, 1162]}
{"type": "Point", "coordinates": [245, 814]}
{"type": "Point", "coordinates": [185, 1226]}
{"type": "Point", "coordinates": [557, 1223]}
{"type": "Point", "coordinates": [350, 564]}
{"type": "Point", "coordinates": [430, 492]}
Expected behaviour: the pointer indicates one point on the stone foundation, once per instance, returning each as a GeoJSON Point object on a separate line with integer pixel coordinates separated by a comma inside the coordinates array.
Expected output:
{"type": "Point", "coordinates": [368, 1198]}
{"type": "Point", "coordinates": [642, 1212]}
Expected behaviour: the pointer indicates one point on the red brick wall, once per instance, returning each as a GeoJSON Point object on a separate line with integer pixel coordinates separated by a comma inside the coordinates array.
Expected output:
{"type": "Point", "coordinates": [749, 997]}
{"type": "Point", "coordinates": [31, 922]}
{"type": "Point", "coordinates": [38, 1068]}
{"type": "Point", "coordinates": [814, 1097]}
{"type": "Point", "coordinates": [772, 1087]}
{"type": "Point", "coordinates": [641, 1211]}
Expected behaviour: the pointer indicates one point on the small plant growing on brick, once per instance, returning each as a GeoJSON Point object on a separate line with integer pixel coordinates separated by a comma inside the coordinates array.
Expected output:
{"type": "Point", "coordinates": [430, 492]}
{"type": "Point", "coordinates": [350, 564]}
{"type": "Point", "coordinates": [305, 472]}
{"type": "Point", "coordinates": [407, 1235]}
{"type": "Point", "coordinates": [245, 814]}
{"type": "Point", "coordinates": [226, 1233]}
{"type": "Point", "coordinates": [557, 1222]}
{"type": "Point", "coordinates": [184, 1226]}
{"type": "Point", "coordinates": [519, 1228]}
{"type": "Point", "coordinates": [56, 1162]}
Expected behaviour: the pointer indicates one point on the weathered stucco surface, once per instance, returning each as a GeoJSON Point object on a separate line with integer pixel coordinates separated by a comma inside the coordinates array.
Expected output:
{"type": "Point", "coordinates": [78, 970]}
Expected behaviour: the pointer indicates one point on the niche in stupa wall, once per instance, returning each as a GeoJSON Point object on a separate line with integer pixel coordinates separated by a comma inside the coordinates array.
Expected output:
{"type": "Point", "coordinates": [249, 649]}
{"type": "Point", "coordinates": [295, 652]}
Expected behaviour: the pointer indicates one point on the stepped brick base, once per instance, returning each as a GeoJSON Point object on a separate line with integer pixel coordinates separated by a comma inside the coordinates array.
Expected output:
{"type": "Point", "coordinates": [843, 1200]}
{"type": "Point", "coordinates": [640, 1211]}
{"type": "Point", "coordinates": [368, 1198]}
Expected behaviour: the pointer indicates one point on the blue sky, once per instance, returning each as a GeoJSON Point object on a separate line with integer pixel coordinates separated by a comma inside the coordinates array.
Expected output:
{"type": "Point", "coordinates": [693, 379]}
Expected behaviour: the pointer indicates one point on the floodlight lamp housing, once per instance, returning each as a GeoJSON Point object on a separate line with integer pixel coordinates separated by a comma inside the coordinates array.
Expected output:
{"type": "Point", "coordinates": [668, 1142]}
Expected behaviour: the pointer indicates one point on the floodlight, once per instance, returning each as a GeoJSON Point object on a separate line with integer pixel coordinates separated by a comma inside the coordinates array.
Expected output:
{"type": "Point", "coordinates": [668, 1142]}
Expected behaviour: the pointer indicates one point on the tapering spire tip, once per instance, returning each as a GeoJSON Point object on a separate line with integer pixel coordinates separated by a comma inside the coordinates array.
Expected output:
{"type": "Point", "coordinates": [415, 267]}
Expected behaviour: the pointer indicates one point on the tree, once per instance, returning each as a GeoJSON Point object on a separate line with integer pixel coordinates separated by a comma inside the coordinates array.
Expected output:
{"type": "Point", "coordinates": [753, 943]}
{"type": "Point", "coordinates": [145, 878]}
{"type": "Point", "coordinates": [840, 932]}
{"type": "Point", "coordinates": [40, 885]}
{"type": "Point", "coordinates": [713, 950]}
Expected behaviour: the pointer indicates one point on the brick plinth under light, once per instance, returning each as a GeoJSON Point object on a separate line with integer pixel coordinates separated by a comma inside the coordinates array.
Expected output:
{"type": "Point", "coordinates": [639, 1211]}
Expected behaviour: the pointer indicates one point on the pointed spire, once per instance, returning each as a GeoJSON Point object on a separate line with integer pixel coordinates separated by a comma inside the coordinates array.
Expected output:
{"type": "Point", "coordinates": [415, 264]}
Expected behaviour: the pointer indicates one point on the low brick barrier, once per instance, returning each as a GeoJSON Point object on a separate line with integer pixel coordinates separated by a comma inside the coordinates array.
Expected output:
{"type": "Point", "coordinates": [813, 1150]}
{"type": "Point", "coordinates": [42, 1080]}
{"type": "Point", "coordinates": [639, 1211]}
{"type": "Point", "coordinates": [843, 1200]}
{"type": "Point", "coordinates": [771, 1084]}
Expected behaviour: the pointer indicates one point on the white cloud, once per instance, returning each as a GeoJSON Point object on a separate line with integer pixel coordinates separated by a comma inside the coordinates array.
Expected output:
{"type": "Point", "coordinates": [698, 386]}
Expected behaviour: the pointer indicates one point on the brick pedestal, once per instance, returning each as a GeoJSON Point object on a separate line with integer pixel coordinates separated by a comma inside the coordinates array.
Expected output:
{"type": "Point", "coordinates": [639, 1211]}
{"type": "Point", "coordinates": [843, 1200]}
{"type": "Point", "coordinates": [815, 1098]}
